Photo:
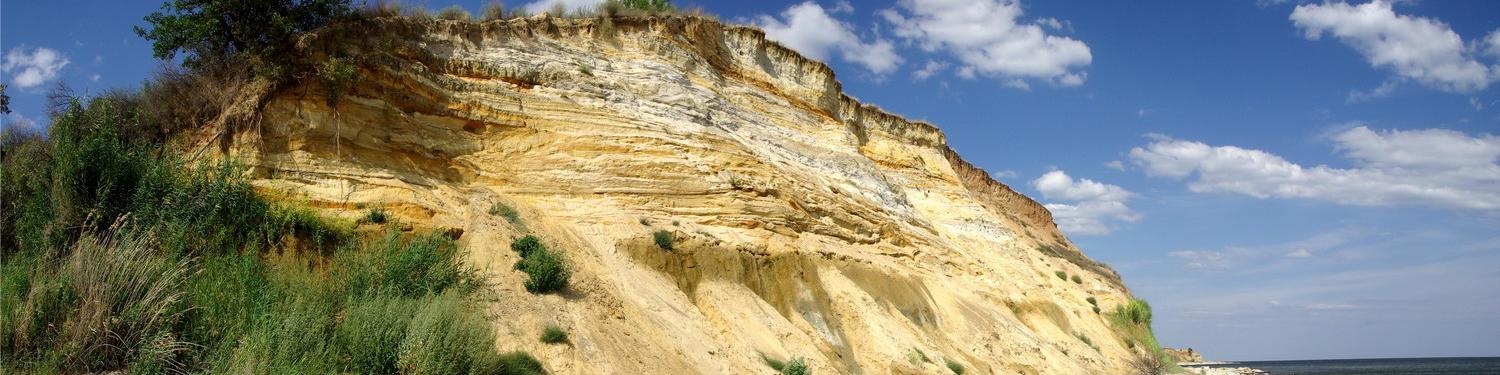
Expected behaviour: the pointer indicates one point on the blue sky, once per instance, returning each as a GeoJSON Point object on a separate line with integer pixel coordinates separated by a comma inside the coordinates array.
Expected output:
{"type": "Point", "coordinates": [1281, 179]}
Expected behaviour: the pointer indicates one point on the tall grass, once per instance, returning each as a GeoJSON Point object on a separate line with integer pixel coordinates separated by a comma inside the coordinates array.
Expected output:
{"type": "Point", "coordinates": [118, 256]}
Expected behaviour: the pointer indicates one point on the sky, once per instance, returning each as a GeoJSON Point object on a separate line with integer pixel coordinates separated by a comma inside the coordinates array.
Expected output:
{"type": "Point", "coordinates": [1281, 179]}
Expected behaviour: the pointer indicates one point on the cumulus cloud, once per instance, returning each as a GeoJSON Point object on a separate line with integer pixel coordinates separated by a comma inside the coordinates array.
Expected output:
{"type": "Point", "coordinates": [1421, 49]}
{"type": "Point", "coordinates": [1115, 165]}
{"type": "Point", "coordinates": [33, 66]}
{"type": "Point", "coordinates": [1491, 44]}
{"type": "Point", "coordinates": [809, 29]}
{"type": "Point", "coordinates": [987, 37]}
{"type": "Point", "coordinates": [1429, 167]}
{"type": "Point", "coordinates": [1091, 207]}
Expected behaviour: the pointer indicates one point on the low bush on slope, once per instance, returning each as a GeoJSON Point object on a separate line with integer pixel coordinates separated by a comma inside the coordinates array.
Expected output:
{"type": "Point", "coordinates": [117, 257]}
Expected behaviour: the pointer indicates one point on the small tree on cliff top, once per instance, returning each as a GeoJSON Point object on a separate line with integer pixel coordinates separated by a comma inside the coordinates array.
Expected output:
{"type": "Point", "coordinates": [218, 30]}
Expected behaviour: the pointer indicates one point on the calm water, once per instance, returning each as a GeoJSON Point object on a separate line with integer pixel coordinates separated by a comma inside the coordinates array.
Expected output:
{"type": "Point", "coordinates": [1391, 366]}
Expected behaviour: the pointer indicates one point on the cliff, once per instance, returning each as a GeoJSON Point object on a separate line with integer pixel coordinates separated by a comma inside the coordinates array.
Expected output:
{"type": "Point", "coordinates": [806, 224]}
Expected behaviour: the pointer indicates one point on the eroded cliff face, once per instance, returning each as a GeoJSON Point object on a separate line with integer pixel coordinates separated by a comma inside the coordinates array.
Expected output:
{"type": "Point", "coordinates": [806, 224]}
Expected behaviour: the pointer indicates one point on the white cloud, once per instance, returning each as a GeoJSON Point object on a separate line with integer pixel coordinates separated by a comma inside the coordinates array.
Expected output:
{"type": "Point", "coordinates": [1143, 112]}
{"type": "Point", "coordinates": [1091, 206]}
{"type": "Point", "coordinates": [1115, 165]}
{"type": "Point", "coordinates": [1491, 44]}
{"type": "Point", "coordinates": [1300, 253]}
{"type": "Point", "coordinates": [809, 29]}
{"type": "Point", "coordinates": [94, 77]}
{"type": "Point", "coordinates": [932, 67]}
{"type": "Point", "coordinates": [1004, 173]}
{"type": "Point", "coordinates": [1422, 49]}
{"type": "Point", "coordinates": [987, 37]}
{"type": "Point", "coordinates": [33, 67]}
{"type": "Point", "coordinates": [1428, 167]}
{"type": "Point", "coordinates": [842, 6]}
{"type": "Point", "coordinates": [1204, 260]}
{"type": "Point", "coordinates": [568, 5]}
{"type": "Point", "coordinates": [1476, 103]}
{"type": "Point", "coordinates": [1385, 89]}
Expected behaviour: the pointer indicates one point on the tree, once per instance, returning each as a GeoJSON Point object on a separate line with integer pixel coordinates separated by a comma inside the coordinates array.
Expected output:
{"type": "Point", "coordinates": [217, 30]}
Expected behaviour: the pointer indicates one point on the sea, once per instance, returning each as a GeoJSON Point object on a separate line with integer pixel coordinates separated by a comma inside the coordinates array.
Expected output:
{"type": "Point", "coordinates": [1380, 366]}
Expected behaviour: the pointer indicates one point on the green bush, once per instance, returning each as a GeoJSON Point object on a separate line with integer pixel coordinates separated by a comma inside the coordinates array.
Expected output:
{"type": "Point", "coordinates": [1092, 301]}
{"type": "Point", "coordinates": [957, 368]}
{"type": "Point", "coordinates": [796, 366]}
{"type": "Point", "coordinates": [545, 271]}
{"type": "Point", "coordinates": [526, 245]}
{"type": "Point", "coordinates": [1077, 280]}
{"type": "Point", "coordinates": [446, 336]}
{"type": "Point", "coordinates": [517, 363]}
{"type": "Point", "coordinates": [427, 264]}
{"type": "Point", "coordinates": [554, 335]}
{"type": "Point", "coordinates": [1137, 311]}
{"type": "Point", "coordinates": [372, 331]}
{"type": "Point", "coordinates": [375, 216]}
{"type": "Point", "coordinates": [1061, 275]}
{"type": "Point", "coordinates": [663, 239]}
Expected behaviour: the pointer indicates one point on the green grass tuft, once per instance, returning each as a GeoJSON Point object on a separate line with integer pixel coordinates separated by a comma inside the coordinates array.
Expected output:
{"type": "Point", "coordinates": [554, 335]}
{"type": "Point", "coordinates": [663, 239]}
{"type": "Point", "coordinates": [1061, 275]}
{"type": "Point", "coordinates": [957, 368]}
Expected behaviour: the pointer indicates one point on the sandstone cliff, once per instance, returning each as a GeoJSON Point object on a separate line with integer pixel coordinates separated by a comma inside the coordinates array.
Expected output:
{"type": "Point", "coordinates": [806, 223]}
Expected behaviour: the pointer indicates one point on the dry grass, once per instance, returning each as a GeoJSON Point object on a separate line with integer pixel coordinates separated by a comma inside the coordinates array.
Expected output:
{"type": "Point", "coordinates": [130, 297]}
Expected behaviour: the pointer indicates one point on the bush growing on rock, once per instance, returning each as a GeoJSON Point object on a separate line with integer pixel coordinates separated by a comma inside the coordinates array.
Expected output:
{"type": "Point", "coordinates": [663, 239]}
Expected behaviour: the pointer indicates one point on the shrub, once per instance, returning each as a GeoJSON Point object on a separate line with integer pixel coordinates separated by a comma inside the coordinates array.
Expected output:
{"type": "Point", "coordinates": [527, 245]}
{"type": "Point", "coordinates": [517, 363]}
{"type": "Point", "coordinates": [422, 265]}
{"type": "Point", "coordinates": [545, 272]}
{"type": "Point", "coordinates": [649, 5]}
{"type": "Point", "coordinates": [493, 11]}
{"type": "Point", "coordinates": [1077, 280]}
{"type": "Point", "coordinates": [446, 337]}
{"type": "Point", "coordinates": [773, 363]}
{"type": "Point", "coordinates": [1092, 301]}
{"type": "Point", "coordinates": [554, 335]}
{"type": "Point", "coordinates": [1137, 311]}
{"type": "Point", "coordinates": [1061, 275]}
{"type": "Point", "coordinates": [337, 74]}
{"type": "Point", "coordinates": [372, 331]}
{"type": "Point", "coordinates": [454, 13]}
{"type": "Point", "coordinates": [663, 239]}
{"type": "Point", "coordinates": [796, 366]}
{"type": "Point", "coordinates": [955, 367]}
{"type": "Point", "coordinates": [375, 216]}
{"type": "Point", "coordinates": [1096, 309]}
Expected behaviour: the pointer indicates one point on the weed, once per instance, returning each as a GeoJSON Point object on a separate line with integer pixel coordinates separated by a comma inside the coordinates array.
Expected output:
{"type": "Point", "coordinates": [554, 335]}
{"type": "Point", "coordinates": [663, 239]}
{"type": "Point", "coordinates": [957, 368]}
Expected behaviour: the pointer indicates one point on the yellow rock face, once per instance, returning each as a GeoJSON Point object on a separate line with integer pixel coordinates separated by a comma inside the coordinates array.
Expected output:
{"type": "Point", "coordinates": [805, 223]}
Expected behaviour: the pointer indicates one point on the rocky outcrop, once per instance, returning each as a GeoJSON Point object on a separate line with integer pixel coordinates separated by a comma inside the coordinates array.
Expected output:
{"type": "Point", "coordinates": [805, 223]}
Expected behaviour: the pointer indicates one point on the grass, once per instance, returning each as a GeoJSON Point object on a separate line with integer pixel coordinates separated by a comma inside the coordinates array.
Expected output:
{"type": "Point", "coordinates": [454, 13]}
{"type": "Point", "coordinates": [917, 357]}
{"type": "Point", "coordinates": [545, 269]}
{"type": "Point", "coordinates": [554, 335]}
{"type": "Point", "coordinates": [1133, 321]}
{"type": "Point", "coordinates": [1077, 258]}
{"type": "Point", "coordinates": [117, 257]}
{"type": "Point", "coordinates": [957, 368]}
{"type": "Point", "coordinates": [663, 239]}
{"type": "Point", "coordinates": [507, 212]}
